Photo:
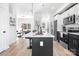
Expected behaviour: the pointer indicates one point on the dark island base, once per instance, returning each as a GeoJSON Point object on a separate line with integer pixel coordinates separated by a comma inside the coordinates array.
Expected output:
{"type": "Point", "coordinates": [45, 50]}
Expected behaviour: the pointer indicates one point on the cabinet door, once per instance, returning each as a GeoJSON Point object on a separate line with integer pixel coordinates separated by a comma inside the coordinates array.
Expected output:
{"type": "Point", "coordinates": [73, 42]}
{"type": "Point", "coordinates": [45, 49]}
{"type": "Point", "coordinates": [65, 38]}
{"type": "Point", "coordinates": [70, 42]}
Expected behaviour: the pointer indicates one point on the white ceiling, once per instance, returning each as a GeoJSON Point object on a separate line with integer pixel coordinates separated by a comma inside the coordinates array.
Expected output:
{"type": "Point", "coordinates": [29, 8]}
{"type": "Point", "coordinates": [50, 7]}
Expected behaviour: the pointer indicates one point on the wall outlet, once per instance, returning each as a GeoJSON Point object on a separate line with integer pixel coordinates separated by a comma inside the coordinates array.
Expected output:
{"type": "Point", "coordinates": [41, 43]}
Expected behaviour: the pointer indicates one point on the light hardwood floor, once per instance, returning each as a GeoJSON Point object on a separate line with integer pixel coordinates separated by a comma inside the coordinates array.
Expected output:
{"type": "Point", "coordinates": [59, 50]}
{"type": "Point", "coordinates": [19, 49]}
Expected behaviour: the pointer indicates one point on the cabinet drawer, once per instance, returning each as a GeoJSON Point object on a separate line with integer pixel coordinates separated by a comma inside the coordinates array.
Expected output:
{"type": "Point", "coordinates": [73, 42]}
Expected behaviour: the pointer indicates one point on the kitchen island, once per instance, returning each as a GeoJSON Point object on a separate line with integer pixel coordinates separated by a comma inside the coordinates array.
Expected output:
{"type": "Point", "coordinates": [42, 45]}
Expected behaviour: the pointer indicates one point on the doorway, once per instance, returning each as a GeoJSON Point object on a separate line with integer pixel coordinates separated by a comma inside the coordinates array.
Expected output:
{"type": "Point", "coordinates": [55, 29]}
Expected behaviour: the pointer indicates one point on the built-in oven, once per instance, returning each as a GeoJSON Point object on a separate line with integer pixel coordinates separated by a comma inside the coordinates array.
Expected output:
{"type": "Point", "coordinates": [74, 30]}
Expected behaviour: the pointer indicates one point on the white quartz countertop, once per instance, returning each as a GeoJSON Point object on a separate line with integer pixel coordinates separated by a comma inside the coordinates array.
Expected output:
{"type": "Point", "coordinates": [46, 35]}
{"type": "Point", "coordinates": [75, 33]}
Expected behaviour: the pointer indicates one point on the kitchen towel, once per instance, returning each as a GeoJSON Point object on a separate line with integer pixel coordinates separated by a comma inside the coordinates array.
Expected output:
{"type": "Point", "coordinates": [61, 34]}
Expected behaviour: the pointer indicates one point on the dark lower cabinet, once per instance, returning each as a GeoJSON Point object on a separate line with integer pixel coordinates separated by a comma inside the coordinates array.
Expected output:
{"type": "Point", "coordinates": [45, 50]}
{"type": "Point", "coordinates": [74, 43]}
{"type": "Point", "coordinates": [58, 36]}
{"type": "Point", "coordinates": [65, 38]}
{"type": "Point", "coordinates": [70, 42]}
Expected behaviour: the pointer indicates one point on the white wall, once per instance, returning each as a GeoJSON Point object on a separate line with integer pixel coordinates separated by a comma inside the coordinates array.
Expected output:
{"type": "Point", "coordinates": [12, 34]}
{"type": "Point", "coordinates": [12, 29]}
{"type": "Point", "coordinates": [59, 22]}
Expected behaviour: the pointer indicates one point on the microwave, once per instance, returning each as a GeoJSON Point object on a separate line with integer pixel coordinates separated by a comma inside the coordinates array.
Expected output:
{"type": "Point", "coordinates": [69, 20]}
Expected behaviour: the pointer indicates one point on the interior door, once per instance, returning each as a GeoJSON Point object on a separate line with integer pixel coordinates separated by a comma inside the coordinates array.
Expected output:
{"type": "Point", "coordinates": [4, 38]}
{"type": "Point", "coordinates": [5, 41]}
{"type": "Point", "coordinates": [1, 49]}
{"type": "Point", "coordinates": [4, 26]}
